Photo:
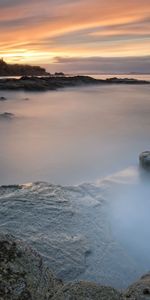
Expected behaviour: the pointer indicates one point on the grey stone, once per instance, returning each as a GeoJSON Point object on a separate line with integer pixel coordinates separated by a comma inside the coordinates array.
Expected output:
{"type": "Point", "coordinates": [86, 291]}
{"type": "Point", "coordinates": [23, 276]}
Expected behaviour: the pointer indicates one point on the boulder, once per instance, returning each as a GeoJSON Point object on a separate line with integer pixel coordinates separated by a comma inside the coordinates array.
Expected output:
{"type": "Point", "coordinates": [23, 276]}
{"type": "Point", "coordinates": [86, 291]}
{"type": "Point", "coordinates": [144, 159]}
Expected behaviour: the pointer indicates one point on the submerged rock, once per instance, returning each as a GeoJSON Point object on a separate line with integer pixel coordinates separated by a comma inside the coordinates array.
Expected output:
{"type": "Point", "coordinates": [86, 291]}
{"type": "Point", "coordinates": [22, 273]}
{"type": "Point", "coordinates": [145, 160]}
{"type": "Point", "coordinates": [6, 115]}
{"type": "Point", "coordinates": [3, 98]}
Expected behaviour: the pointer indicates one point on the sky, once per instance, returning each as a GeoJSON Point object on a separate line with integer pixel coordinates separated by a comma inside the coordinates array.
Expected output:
{"type": "Point", "coordinates": [77, 35]}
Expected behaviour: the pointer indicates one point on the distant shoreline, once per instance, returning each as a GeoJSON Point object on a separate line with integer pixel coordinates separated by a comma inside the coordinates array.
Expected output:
{"type": "Point", "coordinates": [55, 82]}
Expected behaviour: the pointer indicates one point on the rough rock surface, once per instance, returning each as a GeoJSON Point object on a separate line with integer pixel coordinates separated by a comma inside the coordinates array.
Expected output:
{"type": "Point", "coordinates": [22, 273]}
{"type": "Point", "coordinates": [140, 290]}
{"type": "Point", "coordinates": [145, 160]}
{"type": "Point", "coordinates": [23, 276]}
{"type": "Point", "coordinates": [86, 291]}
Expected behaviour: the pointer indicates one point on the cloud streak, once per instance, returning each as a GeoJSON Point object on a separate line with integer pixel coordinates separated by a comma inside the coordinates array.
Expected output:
{"type": "Point", "coordinates": [104, 65]}
{"type": "Point", "coordinates": [37, 30]}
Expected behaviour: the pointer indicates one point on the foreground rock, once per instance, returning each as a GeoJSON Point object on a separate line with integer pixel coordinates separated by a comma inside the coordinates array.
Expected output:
{"type": "Point", "coordinates": [22, 273]}
{"type": "Point", "coordinates": [23, 276]}
{"type": "Point", "coordinates": [55, 82]}
{"type": "Point", "coordinates": [140, 290]}
{"type": "Point", "coordinates": [145, 160]}
{"type": "Point", "coordinates": [86, 291]}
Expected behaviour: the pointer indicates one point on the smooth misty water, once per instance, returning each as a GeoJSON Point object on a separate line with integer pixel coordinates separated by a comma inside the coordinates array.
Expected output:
{"type": "Point", "coordinates": [96, 231]}
{"type": "Point", "coordinates": [73, 135]}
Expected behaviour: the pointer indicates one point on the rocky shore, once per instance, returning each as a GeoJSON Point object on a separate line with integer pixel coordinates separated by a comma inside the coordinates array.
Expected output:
{"type": "Point", "coordinates": [56, 82]}
{"type": "Point", "coordinates": [23, 276]}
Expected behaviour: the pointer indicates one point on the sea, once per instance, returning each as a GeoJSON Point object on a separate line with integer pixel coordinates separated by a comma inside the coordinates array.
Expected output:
{"type": "Point", "coordinates": [70, 182]}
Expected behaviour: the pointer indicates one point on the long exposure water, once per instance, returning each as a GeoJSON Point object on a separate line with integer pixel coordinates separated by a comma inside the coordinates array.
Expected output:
{"type": "Point", "coordinates": [72, 135]}
{"type": "Point", "coordinates": [94, 231]}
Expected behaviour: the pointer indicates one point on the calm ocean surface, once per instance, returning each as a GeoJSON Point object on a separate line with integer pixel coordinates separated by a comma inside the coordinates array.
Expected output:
{"type": "Point", "coordinates": [93, 231]}
{"type": "Point", "coordinates": [72, 135]}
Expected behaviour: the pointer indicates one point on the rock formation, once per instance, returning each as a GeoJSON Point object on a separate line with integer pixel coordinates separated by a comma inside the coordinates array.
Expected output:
{"type": "Point", "coordinates": [54, 82]}
{"type": "Point", "coordinates": [7, 115]}
{"type": "Point", "coordinates": [140, 290]}
{"type": "Point", "coordinates": [20, 70]}
{"type": "Point", "coordinates": [22, 273]}
{"type": "Point", "coordinates": [145, 160]}
{"type": "Point", "coordinates": [23, 276]}
{"type": "Point", "coordinates": [86, 291]}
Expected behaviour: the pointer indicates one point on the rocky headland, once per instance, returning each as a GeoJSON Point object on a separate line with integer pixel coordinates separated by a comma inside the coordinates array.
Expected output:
{"type": "Point", "coordinates": [34, 83]}
{"type": "Point", "coordinates": [20, 70]}
{"type": "Point", "coordinates": [24, 276]}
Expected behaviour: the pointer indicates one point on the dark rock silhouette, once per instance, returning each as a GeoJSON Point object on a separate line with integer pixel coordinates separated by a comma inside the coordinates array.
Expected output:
{"type": "Point", "coordinates": [19, 70]}
{"type": "Point", "coordinates": [54, 82]}
{"type": "Point", "coordinates": [3, 98]}
{"type": "Point", "coordinates": [6, 115]}
{"type": "Point", "coordinates": [59, 74]}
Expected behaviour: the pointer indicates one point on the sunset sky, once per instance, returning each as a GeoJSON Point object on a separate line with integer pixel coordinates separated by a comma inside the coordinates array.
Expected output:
{"type": "Point", "coordinates": [77, 35]}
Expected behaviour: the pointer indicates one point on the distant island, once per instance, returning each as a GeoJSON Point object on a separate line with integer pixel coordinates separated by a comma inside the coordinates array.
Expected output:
{"type": "Point", "coordinates": [20, 70]}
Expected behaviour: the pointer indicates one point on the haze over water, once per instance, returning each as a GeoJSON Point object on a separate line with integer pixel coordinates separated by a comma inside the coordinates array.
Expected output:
{"type": "Point", "coordinates": [73, 135]}
{"type": "Point", "coordinates": [96, 231]}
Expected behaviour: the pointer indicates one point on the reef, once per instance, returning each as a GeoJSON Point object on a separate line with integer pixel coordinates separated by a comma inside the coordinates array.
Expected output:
{"type": "Point", "coordinates": [45, 83]}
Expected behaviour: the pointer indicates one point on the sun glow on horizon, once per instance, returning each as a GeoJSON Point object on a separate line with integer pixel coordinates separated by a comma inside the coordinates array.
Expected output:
{"type": "Point", "coordinates": [44, 30]}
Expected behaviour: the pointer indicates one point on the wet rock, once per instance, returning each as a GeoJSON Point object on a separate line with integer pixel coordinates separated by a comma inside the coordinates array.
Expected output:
{"type": "Point", "coordinates": [26, 99]}
{"type": "Point", "coordinates": [59, 74]}
{"type": "Point", "coordinates": [144, 159]}
{"type": "Point", "coordinates": [3, 98]}
{"type": "Point", "coordinates": [33, 83]}
{"type": "Point", "coordinates": [6, 115]}
{"type": "Point", "coordinates": [22, 273]}
{"type": "Point", "coordinates": [86, 291]}
{"type": "Point", "coordinates": [19, 70]}
{"type": "Point", "coordinates": [140, 290]}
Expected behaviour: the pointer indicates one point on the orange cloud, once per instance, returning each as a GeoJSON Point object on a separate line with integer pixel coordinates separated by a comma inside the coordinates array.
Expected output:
{"type": "Point", "coordinates": [40, 30]}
